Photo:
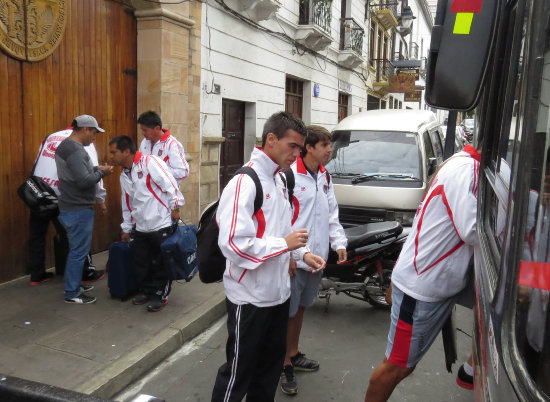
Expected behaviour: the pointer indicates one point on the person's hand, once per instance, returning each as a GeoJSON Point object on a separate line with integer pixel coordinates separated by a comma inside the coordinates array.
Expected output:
{"type": "Point", "coordinates": [297, 239]}
{"type": "Point", "coordinates": [125, 237]}
{"type": "Point", "coordinates": [292, 268]}
{"type": "Point", "coordinates": [315, 262]}
{"type": "Point", "coordinates": [107, 170]}
{"type": "Point", "coordinates": [103, 208]}
{"type": "Point", "coordinates": [175, 214]}
{"type": "Point", "coordinates": [342, 256]}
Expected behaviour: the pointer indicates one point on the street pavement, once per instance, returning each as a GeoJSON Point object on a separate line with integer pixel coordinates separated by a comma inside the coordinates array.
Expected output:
{"type": "Point", "coordinates": [349, 341]}
{"type": "Point", "coordinates": [96, 349]}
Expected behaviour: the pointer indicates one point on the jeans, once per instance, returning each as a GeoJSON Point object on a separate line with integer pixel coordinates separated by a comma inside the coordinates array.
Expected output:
{"type": "Point", "coordinates": [79, 225]}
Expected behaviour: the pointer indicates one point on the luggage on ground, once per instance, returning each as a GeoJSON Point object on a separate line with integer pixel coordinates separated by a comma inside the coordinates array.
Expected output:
{"type": "Point", "coordinates": [122, 281]}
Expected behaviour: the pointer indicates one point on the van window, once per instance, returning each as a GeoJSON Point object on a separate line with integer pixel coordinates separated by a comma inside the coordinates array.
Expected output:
{"type": "Point", "coordinates": [370, 152]}
{"type": "Point", "coordinates": [438, 148]}
{"type": "Point", "coordinates": [428, 146]}
{"type": "Point", "coordinates": [533, 293]}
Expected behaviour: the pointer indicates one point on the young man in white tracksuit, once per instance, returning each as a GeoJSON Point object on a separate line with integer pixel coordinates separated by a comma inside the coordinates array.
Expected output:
{"type": "Point", "coordinates": [158, 141]}
{"type": "Point", "coordinates": [316, 209]}
{"type": "Point", "coordinates": [431, 271]}
{"type": "Point", "coordinates": [46, 169]}
{"type": "Point", "coordinates": [256, 278]}
{"type": "Point", "coordinates": [151, 201]}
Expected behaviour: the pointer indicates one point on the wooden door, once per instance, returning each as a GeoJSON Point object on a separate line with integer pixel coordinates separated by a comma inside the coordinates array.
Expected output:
{"type": "Point", "coordinates": [232, 155]}
{"type": "Point", "coordinates": [343, 100]}
{"type": "Point", "coordinates": [92, 71]}
{"type": "Point", "coordinates": [294, 96]}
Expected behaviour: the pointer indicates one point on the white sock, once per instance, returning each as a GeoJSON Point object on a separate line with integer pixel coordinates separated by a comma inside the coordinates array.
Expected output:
{"type": "Point", "coordinates": [468, 369]}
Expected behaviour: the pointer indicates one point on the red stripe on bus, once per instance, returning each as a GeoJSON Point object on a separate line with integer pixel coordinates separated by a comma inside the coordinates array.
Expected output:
{"type": "Point", "coordinates": [534, 274]}
{"type": "Point", "coordinates": [466, 6]}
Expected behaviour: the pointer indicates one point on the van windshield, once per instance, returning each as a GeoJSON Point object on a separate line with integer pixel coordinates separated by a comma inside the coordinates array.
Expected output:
{"type": "Point", "coordinates": [391, 154]}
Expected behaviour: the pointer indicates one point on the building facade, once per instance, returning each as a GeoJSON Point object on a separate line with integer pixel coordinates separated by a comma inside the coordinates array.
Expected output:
{"type": "Point", "coordinates": [319, 59]}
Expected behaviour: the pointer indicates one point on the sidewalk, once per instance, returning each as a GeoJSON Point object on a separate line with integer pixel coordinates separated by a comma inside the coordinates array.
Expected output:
{"type": "Point", "coordinates": [96, 349]}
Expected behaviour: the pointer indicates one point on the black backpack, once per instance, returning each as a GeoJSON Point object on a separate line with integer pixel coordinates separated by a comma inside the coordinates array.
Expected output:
{"type": "Point", "coordinates": [210, 258]}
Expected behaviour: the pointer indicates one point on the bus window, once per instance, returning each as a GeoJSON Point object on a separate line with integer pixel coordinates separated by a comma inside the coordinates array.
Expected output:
{"type": "Point", "coordinates": [500, 147]}
{"type": "Point", "coordinates": [533, 293]}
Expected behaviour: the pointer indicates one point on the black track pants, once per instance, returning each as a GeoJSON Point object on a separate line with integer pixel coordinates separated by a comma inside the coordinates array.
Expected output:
{"type": "Point", "coordinates": [255, 351]}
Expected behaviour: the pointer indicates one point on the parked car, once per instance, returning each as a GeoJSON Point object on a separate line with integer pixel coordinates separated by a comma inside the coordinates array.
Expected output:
{"type": "Point", "coordinates": [459, 141]}
{"type": "Point", "coordinates": [381, 163]}
{"type": "Point", "coordinates": [468, 125]}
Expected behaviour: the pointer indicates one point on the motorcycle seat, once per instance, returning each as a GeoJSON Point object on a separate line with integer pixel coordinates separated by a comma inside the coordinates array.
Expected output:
{"type": "Point", "coordinates": [370, 233]}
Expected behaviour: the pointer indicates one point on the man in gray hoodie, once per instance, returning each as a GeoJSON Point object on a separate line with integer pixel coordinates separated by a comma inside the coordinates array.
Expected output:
{"type": "Point", "coordinates": [77, 181]}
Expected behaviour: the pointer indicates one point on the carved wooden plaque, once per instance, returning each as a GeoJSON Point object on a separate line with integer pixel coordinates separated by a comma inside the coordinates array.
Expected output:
{"type": "Point", "coordinates": [31, 29]}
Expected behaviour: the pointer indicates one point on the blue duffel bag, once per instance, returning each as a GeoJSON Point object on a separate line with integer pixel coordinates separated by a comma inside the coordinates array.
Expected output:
{"type": "Point", "coordinates": [179, 253]}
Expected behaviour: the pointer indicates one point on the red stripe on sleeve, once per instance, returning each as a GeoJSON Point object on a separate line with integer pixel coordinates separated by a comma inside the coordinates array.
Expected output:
{"type": "Point", "coordinates": [148, 181]}
{"type": "Point", "coordinates": [296, 205]}
{"type": "Point", "coordinates": [261, 223]}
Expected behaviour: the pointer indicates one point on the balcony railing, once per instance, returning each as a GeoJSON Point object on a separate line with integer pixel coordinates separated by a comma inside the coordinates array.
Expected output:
{"type": "Point", "coordinates": [384, 69]}
{"type": "Point", "coordinates": [414, 51]}
{"type": "Point", "coordinates": [391, 5]}
{"type": "Point", "coordinates": [351, 37]}
{"type": "Point", "coordinates": [316, 12]}
{"type": "Point", "coordinates": [385, 12]}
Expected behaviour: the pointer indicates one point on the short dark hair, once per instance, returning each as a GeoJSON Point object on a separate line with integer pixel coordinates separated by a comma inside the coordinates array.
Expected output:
{"type": "Point", "coordinates": [75, 127]}
{"type": "Point", "coordinates": [280, 122]}
{"type": "Point", "coordinates": [314, 135]}
{"type": "Point", "coordinates": [150, 119]}
{"type": "Point", "coordinates": [123, 142]}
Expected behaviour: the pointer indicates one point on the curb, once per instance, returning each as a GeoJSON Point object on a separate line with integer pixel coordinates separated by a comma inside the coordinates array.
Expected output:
{"type": "Point", "coordinates": [129, 368]}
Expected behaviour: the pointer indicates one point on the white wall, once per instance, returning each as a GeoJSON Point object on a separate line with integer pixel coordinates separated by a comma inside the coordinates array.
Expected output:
{"type": "Point", "coordinates": [251, 66]}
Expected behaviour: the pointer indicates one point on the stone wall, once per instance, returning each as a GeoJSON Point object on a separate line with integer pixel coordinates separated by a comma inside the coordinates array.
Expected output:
{"type": "Point", "coordinates": [169, 81]}
{"type": "Point", "coordinates": [210, 170]}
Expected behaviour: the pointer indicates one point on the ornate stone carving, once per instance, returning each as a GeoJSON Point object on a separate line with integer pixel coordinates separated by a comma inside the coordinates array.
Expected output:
{"type": "Point", "coordinates": [31, 29]}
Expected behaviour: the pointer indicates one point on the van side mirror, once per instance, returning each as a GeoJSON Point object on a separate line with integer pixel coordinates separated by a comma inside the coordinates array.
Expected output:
{"type": "Point", "coordinates": [461, 43]}
{"type": "Point", "coordinates": [432, 165]}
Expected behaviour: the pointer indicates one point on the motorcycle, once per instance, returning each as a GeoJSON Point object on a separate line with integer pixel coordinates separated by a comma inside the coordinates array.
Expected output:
{"type": "Point", "coordinates": [373, 250]}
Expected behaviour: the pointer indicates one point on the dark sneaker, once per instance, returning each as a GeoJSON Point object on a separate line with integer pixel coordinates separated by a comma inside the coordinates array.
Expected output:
{"type": "Point", "coordinates": [302, 363]}
{"type": "Point", "coordinates": [289, 385]}
{"type": "Point", "coordinates": [81, 299]}
{"type": "Point", "coordinates": [86, 288]}
{"type": "Point", "coordinates": [46, 276]}
{"type": "Point", "coordinates": [157, 304]}
{"type": "Point", "coordinates": [464, 380]}
{"type": "Point", "coordinates": [92, 275]}
{"type": "Point", "coordinates": [140, 299]}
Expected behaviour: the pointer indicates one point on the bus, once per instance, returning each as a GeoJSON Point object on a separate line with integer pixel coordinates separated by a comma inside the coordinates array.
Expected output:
{"type": "Point", "coordinates": [494, 56]}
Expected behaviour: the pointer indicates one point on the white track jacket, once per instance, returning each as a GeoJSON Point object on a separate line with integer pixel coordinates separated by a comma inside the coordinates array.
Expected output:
{"type": "Point", "coordinates": [433, 264]}
{"type": "Point", "coordinates": [316, 209]}
{"type": "Point", "coordinates": [47, 170]}
{"type": "Point", "coordinates": [149, 194]}
{"type": "Point", "coordinates": [170, 151]}
{"type": "Point", "coordinates": [254, 245]}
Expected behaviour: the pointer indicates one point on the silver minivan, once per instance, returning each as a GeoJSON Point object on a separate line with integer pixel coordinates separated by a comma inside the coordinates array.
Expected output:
{"type": "Point", "coordinates": [381, 163]}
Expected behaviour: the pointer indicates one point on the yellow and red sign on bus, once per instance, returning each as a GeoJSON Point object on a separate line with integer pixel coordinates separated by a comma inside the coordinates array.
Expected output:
{"type": "Point", "coordinates": [465, 10]}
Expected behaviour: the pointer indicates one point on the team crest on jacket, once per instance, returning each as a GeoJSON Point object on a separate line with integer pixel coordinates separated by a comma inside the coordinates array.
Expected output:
{"type": "Point", "coordinates": [325, 188]}
{"type": "Point", "coordinates": [160, 152]}
{"type": "Point", "coordinates": [267, 196]}
{"type": "Point", "coordinates": [140, 175]}
{"type": "Point", "coordinates": [303, 188]}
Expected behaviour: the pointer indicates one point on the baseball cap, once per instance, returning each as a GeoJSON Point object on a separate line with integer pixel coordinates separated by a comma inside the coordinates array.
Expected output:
{"type": "Point", "coordinates": [85, 120]}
